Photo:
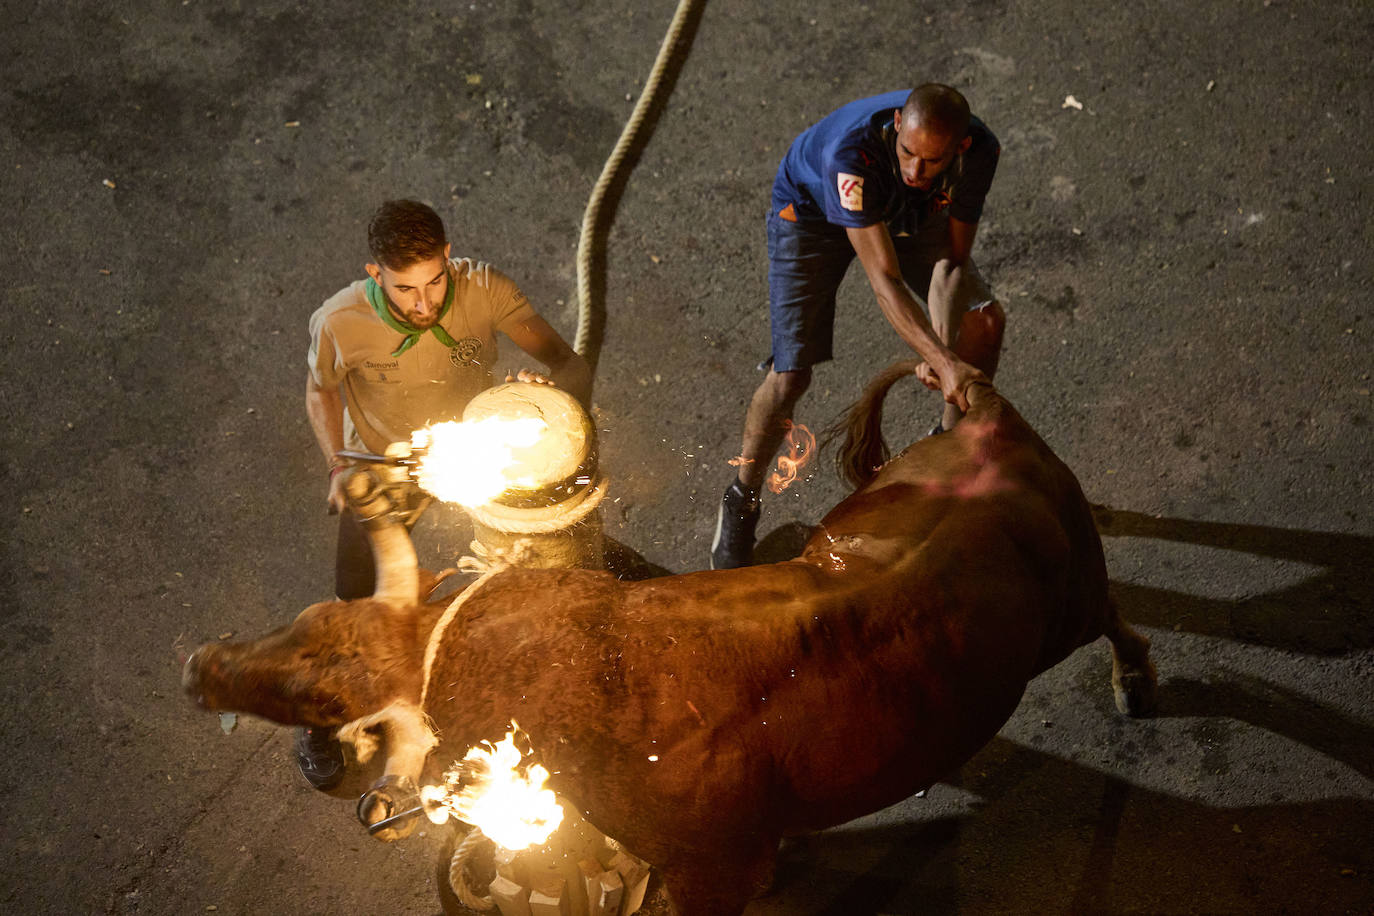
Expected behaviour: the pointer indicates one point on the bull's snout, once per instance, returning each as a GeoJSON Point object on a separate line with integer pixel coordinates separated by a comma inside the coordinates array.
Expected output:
{"type": "Point", "coordinates": [193, 676]}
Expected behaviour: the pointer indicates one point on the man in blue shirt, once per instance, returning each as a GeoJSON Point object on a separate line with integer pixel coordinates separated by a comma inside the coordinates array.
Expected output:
{"type": "Point", "coordinates": [898, 179]}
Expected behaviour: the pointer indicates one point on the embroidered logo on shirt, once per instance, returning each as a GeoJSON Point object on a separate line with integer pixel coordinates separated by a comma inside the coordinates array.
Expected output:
{"type": "Point", "coordinates": [464, 353]}
{"type": "Point", "coordinates": [851, 191]}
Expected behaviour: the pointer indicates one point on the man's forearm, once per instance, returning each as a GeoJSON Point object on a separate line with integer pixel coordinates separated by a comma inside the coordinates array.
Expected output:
{"type": "Point", "coordinates": [874, 248]}
{"type": "Point", "coordinates": [909, 321]}
{"type": "Point", "coordinates": [574, 376]}
{"type": "Point", "coordinates": [324, 407]}
{"type": "Point", "coordinates": [961, 235]}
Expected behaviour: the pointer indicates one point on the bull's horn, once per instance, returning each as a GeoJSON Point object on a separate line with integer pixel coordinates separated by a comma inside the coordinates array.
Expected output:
{"type": "Point", "coordinates": [398, 577]}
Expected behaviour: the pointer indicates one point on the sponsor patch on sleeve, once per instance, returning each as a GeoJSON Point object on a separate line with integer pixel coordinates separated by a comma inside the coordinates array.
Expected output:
{"type": "Point", "coordinates": [851, 191]}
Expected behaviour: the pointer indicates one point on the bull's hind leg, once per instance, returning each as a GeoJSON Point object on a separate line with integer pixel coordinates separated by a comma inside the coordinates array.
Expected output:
{"type": "Point", "coordinates": [720, 884]}
{"type": "Point", "coordinates": [1133, 674]}
{"type": "Point", "coordinates": [696, 892]}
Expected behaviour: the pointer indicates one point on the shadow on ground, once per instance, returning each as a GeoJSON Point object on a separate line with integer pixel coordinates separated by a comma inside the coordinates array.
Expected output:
{"type": "Point", "coordinates": [1102, 845]}
{"type": "Point", "coordinates": [1326, 614]}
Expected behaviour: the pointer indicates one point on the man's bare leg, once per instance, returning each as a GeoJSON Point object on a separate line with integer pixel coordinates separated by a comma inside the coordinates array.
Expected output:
{"type": "Point", "coordinates": [765, 426]}
{"type": "Point", "coordinates": [765, 423]}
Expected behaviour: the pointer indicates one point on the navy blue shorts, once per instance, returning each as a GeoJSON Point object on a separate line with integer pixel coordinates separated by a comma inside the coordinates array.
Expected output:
{"type": "Point", "coordinates": [805, 267]}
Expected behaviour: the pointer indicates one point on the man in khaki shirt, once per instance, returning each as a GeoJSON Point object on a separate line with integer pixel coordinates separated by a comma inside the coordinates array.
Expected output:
{"type": "Point", "coordinates": [407, 347]}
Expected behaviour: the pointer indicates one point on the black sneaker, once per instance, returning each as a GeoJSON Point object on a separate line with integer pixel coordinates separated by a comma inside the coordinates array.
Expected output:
{"type": "Point", "coordinates": [739, 516]}
{"type": "Point", "coordinates": [938, 428]}
{"type": "Point", "coordinates": [320, 758]}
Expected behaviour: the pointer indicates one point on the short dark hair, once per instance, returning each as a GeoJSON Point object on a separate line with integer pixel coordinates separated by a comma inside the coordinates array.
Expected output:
{"type": "Point", "coordinates": [405, 232]}
{"type": "Point", "coordinates": [938, 107]}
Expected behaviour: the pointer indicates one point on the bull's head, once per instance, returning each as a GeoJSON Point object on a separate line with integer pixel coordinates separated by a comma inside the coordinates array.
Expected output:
{"type": "Point", "coordinates": [339, 660]}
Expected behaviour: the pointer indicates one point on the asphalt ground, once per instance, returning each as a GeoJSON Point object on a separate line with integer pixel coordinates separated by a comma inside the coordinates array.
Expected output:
{"type": "Point", "coordinates": [1185, 265]}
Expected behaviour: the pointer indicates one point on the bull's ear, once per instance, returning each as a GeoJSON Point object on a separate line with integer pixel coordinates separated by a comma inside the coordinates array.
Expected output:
{"type": "Point", "coordinates": [372, 501]}
{"type": "Point", "coordinates": [436, 586]}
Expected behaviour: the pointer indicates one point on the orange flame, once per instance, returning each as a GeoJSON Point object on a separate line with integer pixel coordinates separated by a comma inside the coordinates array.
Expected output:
{"type": "Point", "coordinates": [475, 461]}
{"type": "Point", "coordinates": [800, 444]}
{"type": "Point", "coordinates": [488, 790]}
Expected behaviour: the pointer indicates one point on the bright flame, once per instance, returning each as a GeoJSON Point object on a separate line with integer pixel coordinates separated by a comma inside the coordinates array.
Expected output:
{"type": "Point", "coordinates": [475, 461]}
{"type": "Point", "coordinates": [800, 444]}
{"type": "Point", "coordinates": [487, 790]}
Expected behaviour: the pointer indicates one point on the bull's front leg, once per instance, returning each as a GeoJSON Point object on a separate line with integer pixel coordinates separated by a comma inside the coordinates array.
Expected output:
{"type": "Point", "coordinates": [721, 882]}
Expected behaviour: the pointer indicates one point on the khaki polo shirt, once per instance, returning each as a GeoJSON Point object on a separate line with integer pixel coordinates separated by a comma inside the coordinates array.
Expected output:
{"type": "Point", "coordinates": [386, 397]}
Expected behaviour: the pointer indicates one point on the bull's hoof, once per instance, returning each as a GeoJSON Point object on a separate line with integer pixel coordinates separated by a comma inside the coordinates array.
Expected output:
{"type": "Point", "coordinates": [390, 797]}
{"type": "Point", "coordinates": [1135, 694]}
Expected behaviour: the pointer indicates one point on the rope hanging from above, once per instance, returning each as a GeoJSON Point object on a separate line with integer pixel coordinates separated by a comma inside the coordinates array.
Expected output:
{"type": "Point", "coordinates": [591, 250]}
{"type": "Point", "coordinates": [591, 266]}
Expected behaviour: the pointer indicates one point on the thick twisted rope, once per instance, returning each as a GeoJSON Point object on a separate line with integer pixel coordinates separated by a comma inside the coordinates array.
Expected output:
{"type": "Point", "coordinates": [590, 327]}
{"type": "Point", "coordinates": [591, 310]}
{"type": "Point", "coordinates": [541, 521]}
{"type": "Point", "coordinates": [484, 559]}
{"type": "Point", "coordinates": [458, 872]}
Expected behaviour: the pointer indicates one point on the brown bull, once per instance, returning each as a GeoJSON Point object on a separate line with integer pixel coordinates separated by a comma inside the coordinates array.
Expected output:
{"type": "Point", "coordinates": [699, 718]}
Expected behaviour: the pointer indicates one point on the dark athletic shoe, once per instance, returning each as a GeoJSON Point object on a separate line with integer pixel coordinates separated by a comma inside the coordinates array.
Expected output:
{"type": "Point", "coordinates": [938, 428]}
{"type": "Point", "coordinates": [733, 546]}
{"type": "Point", "coordinates": [320, 758]}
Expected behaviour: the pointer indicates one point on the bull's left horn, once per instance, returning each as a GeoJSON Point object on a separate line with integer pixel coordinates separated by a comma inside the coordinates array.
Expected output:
{"type": "Point", "coordinates": [398, 577]}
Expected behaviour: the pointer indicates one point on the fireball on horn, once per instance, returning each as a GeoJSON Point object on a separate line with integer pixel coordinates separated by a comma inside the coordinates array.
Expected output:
{"type": "Point", "coordinates": [496, 790]}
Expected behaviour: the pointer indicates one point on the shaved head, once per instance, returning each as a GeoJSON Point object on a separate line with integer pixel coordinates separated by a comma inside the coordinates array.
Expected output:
{"type": "Point", "coordinates": [932, 131]}
{"type": "Point", "coordinates": [937, 108]}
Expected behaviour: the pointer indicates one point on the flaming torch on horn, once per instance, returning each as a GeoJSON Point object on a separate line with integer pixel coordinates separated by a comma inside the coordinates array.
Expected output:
{"type": "Point", "coordinates": [523, 464]}
{"type": "Point", "coordinates": [474, 462]}
{"type": "Point", "coordinates": [545, 852]}
{"type": "Point", "coordinates": [491, 790]}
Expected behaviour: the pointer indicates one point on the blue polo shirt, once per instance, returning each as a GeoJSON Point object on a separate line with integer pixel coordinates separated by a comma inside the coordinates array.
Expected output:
{"type": "Point", "coordinates": [843, 170]}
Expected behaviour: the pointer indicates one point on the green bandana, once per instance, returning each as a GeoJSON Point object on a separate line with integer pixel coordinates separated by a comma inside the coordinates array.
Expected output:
{"type": "Point", "coordinates": [377, 299]}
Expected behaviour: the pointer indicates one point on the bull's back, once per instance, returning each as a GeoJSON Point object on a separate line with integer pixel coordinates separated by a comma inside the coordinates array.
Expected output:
{"type": "Point", "coordinates": [995, 484]}
{"type": "Point", "coordinates": [1029, 459]}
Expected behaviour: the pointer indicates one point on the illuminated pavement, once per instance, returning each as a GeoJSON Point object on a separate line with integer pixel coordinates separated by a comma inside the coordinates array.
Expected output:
{"type": "Point", "coordinates": [1185, 266]}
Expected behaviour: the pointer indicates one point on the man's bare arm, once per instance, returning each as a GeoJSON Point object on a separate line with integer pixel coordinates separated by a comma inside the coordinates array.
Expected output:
{"type": "Point", "coordinates": [566, 366]}
{"type": "Point", "coordinates": [961, 240]}
{"type": "Point", "coordinates": [324, 407]}
{"type": "Point", "coordinates": [874, 248]}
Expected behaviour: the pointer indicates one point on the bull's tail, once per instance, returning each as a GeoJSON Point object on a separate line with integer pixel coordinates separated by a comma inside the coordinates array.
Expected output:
{"type": "Point", "coordinates": [864, 450]}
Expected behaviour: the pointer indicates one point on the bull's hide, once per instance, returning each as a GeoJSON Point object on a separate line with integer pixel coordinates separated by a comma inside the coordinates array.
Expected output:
{"type": "Point", "coordinates": [698, 718]}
